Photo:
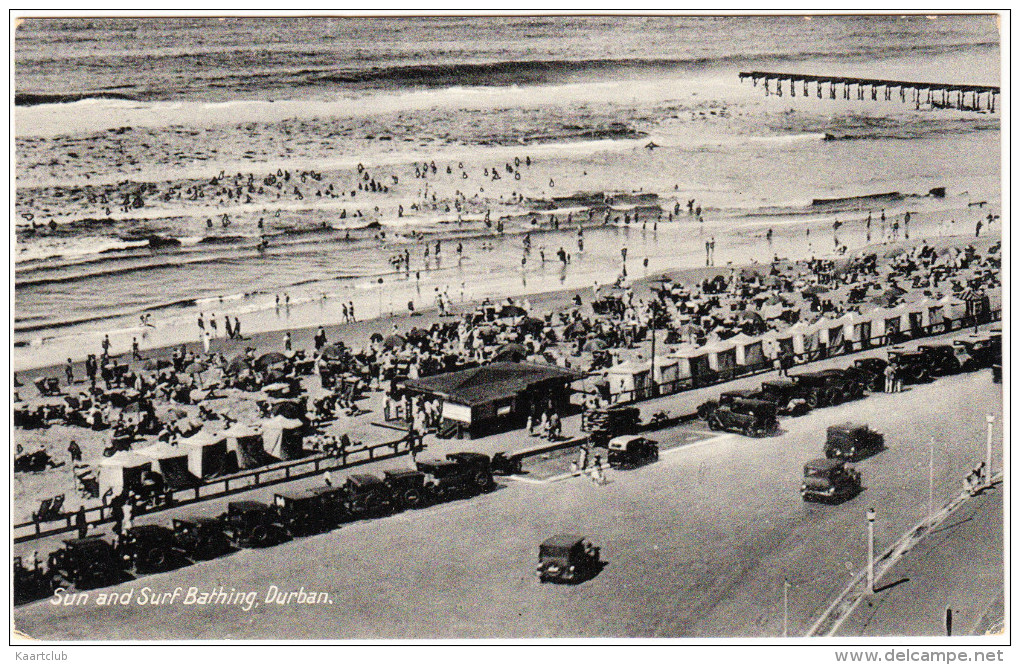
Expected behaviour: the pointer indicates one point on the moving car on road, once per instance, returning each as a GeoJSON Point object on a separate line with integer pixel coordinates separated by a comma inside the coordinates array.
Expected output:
{"type": "Point", "coordinates": [628, 452]}
{"type": "Point", "coordinates": [852, 442]}
{"type": "Point", "coordinates": [567, 558]}
{"type": "Point", "coordinates": [829, 481]}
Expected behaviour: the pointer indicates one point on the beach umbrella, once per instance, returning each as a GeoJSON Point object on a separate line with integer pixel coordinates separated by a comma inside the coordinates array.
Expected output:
{"type": "Point", "coordinates": [511, 353]}
{"type": "Point", "coordinates": [375, 338]}
{"type": "Point", "coordinates": [238, 364]}
{"type": "Point", "coordinates": [195, 368]}
{"type": "Point", "coordinates": [269, 359]}
{"type": "Point", "coordinates": [511, 311]}
{"type": "Point", "coordinates": [595, 345]}
{"type": "Point", "coordinates": [334, 351]}
{"type": "Point", "coordinates": [393, 342]}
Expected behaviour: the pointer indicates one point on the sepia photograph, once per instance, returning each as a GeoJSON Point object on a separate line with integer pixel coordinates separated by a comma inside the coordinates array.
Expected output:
{"type": "Point", "coordinates": [539, 328]}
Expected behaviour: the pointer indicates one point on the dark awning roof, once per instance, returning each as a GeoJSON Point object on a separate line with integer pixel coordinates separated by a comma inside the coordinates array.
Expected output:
{"type": "Point", "coordinates": [489, 382]}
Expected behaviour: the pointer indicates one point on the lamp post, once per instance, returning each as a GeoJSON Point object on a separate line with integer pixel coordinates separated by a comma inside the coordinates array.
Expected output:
{"type": "Point", "coordinates": [990, 419]}
{"type": "Point", "coordinates": [786, 607]}
{"type": "Point", "coordinates": [871, 550]}
{"type": "Point", "coordinates": [380, 296]}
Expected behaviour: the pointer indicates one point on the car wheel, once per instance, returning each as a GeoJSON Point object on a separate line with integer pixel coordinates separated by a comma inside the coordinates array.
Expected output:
{"type": "Point", "coordinates": [412, 498]}
{"type": "Point", "coordinates": [155, 558]}
{"type": "Point", "coordinates": [714, 424]}
{"type": "Point", "coordinates": [259, 535]}
{"type": "Point", "coordinates": [812, 399]}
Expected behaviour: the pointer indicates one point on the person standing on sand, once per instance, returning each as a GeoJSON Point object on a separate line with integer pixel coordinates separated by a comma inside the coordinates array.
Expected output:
{"type": "Point", "coordinates": [205, 341]}
{"type": "Point", "coordinates": [712, 249]}
{"type": "Point", "coordinates": [708, 250]}
{"type": "Point", "coordinates": [287, 341]}
{"type": "Point", "coordinates": [977, 229]}
{"type": "Point", "coordinates": [350, 308]}
{"type": "Point", "coordinates": [135, 352]}
{"type": "Point", "coordinates": [201, 325]}
{"type": "Point", "coordinates": [69, 372]}
{"type": "Point", "coordinates": [227, 329]}
{"type": "Point", "coordinates": [237, 328]}
{"type": "Point", "coordinates": [106, 340]}
{"type": "Point", "coordinates": [212, 326]}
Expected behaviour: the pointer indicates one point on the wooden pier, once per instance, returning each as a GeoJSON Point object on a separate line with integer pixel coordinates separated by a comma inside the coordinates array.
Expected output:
{"type": "Point", "coordinates": [937, 95]}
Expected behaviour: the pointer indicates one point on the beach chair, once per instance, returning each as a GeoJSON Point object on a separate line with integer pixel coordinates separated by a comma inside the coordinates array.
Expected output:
{"type": "Point", "coordinates": [49, 509]}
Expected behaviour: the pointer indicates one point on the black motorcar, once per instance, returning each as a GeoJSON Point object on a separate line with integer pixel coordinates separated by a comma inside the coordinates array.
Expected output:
{"type": "Point", "coordinates": [367, 496]}
{"type": "Point", "coordinates": [148, 548]}
{"type": "Point", "coordinates": [479, 466]}
{"type": "Point", "coordinates": [750, 417]}
{"type": "Point", "coordinates": [977, 352]}
{"type": "Point", "coordinates": [785, 394]}
{"type": "Point", "coordinates": [605, 423]}
{"type": "Point", "coordinates": [567, 558]}
{"type": "Point", "coordinates": [448, 480]}
{"type": "Point", "coordinates": [252, 524]}
{"type": "Point", "coordinates": [852, 442]}
{"type": "Point", "coordinates": [868, 372]}
{"type": "Point", "coordinates": [408, 488]}
{"type": "Point", "coordinates": [86, 563]}
{"type": "Point", "coordinates": [311, 510]}
{"type": "Point", "coordinates": [827, 388]}
{"type": "Point", "coordinates": [940, 359]}
{"type": "Point", "coordinates": [708, 408]}
{"type": "Point", "coordinates": [628, 452]}
{"type": "Point", "coordinates": [30, 582]}
{"type": "Point", "coordinates": [199, 537]}
{"type": "Point", "coordinates": [829, 481]}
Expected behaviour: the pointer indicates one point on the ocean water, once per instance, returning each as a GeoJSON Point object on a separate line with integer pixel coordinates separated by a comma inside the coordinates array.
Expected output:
{"type": "Point", "coordinates": [134, 137]}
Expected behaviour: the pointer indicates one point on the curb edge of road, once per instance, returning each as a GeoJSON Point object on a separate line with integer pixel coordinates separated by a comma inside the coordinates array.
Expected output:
{"type": "Point", "coordinates": [847, 601]}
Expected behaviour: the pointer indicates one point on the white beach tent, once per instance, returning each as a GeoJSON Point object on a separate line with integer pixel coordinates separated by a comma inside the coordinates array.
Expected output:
{"type": "Point", "coordinates": [692, 361]}
{"type": "Point", "coordinates": [629, 380]}
{"type": "Point", "coordinates": [172, 464]}
{"type": "Point", "coordinates": [207, 454]}
{"type": "Point", "coordinates": [666, 371]}
{"type": "Point", "coordinates": [953, 309]}
{"type": "Point", "coordinates": [282, 438]}
{"type": "Point", "coordinates": [748, 350]}
{"type": "Point", "coordinates": [245, 443]}
{"type": "Point", "coordinates": [722, 355]}
{"type": "Point", "coordinates": [804, 337]}
{"type": "Point", "coordinates": [122, 471]}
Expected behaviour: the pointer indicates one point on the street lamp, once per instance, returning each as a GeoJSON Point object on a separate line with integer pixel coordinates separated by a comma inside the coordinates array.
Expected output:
{"type": "Point", "coordinates": [871, 550]}
{"type": "Point", "coordinates": [990, 419]}
{"type": "Point", "coordinates": [380, 296]}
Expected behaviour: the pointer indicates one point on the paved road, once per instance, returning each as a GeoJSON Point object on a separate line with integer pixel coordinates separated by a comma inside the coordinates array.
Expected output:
{"type": "Point", "coordinates": [697, 544]}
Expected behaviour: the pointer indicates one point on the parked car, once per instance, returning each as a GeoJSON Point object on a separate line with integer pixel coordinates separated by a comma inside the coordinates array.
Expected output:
{"type": "Point", "coordinates": [976, 352]}
{"type": "Point", "coordinates": [199, 537]}
{"type": "Point", "coordinates": [367, 496]}
{"type": "Point", "coordinates": [869, 372]}
{"type": "Point", "coordinates": [252, 524]}
{"type": "Point", "coordinates": [30, 583]}
{"type": "Point", "coordinates": [408, 488]}
{"type": "Point", "coordinates": [603, 424]}
{"type": "Point", "coordinates": [86, 563]}
{"type": "Point", "coordinates": [479, 466]}
{"type": "Point", "coordinates": [567, 558]}
{"type": "Point", "coordinates": [448, 480]}
{"type": "Point", "coordinates": [750, 417]}
{"type": "Point", "coordinates": [148, 548]}
{"type": "Point", "coordinates": [852, 442]}
{"type": "Point", "coordinates": [827, 388]}
{"type": "Point", "coordinates": [311, 510]}
{"type": "Point", "coordinates": [940, 359]}
{"type": "Point", "coordinates": [628, 452]}
{"type": "Point", "coordinates": [785, 395]}
{"type": "Point", "coordinates": [829, 481]}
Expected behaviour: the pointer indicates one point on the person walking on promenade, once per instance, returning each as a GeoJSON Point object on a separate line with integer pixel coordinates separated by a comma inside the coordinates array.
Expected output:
{"type": "Point", "coordinates": [81, 522]}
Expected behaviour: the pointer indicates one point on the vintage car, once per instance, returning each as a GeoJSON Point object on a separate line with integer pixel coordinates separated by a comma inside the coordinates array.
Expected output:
{"type": "Point", "coordinates": [628, 452]}
{"type": "Point", "coordinates": [852, 442]}
{"type": "Point", "coordinates": [199, 537]}
{"type": "Point", "coordinates": [30, 582]}
{"type": "Point", "coordinates": [86, 563]}
{"type": "Point", "coordinates": [479, 466]}
{"type": "Point", "coordinates": [869, 372]}
{"type": "Point", "coordinates": [367, 496]}
{"type": "Point", "coordinates": [976, 352]}
{"type": "Point", "coordinates": [750, 417]}
{"type": "Point", "coordinates": [827, 387]}
{"type": "Point", "coordinates": [310, 510]}
{"type": "Point", "coordinates": [829, 481]}
{"type": "Point", "coordinates": [252, 524]}
{"type": "Point", "coordinates": [567, 558]}
{"type": "Point", "coordinates": [785, 395]}
{"type": "Point", "coordinates": [148, 548]}
{"type": "Point", "coordinates": [448, 480]}
{"type": "Point", "coordinates": [940, 359]}
{"type": "Point", "coordinates": [408, 488]}
{"type": "Point", "coordinates": [708, 408]}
